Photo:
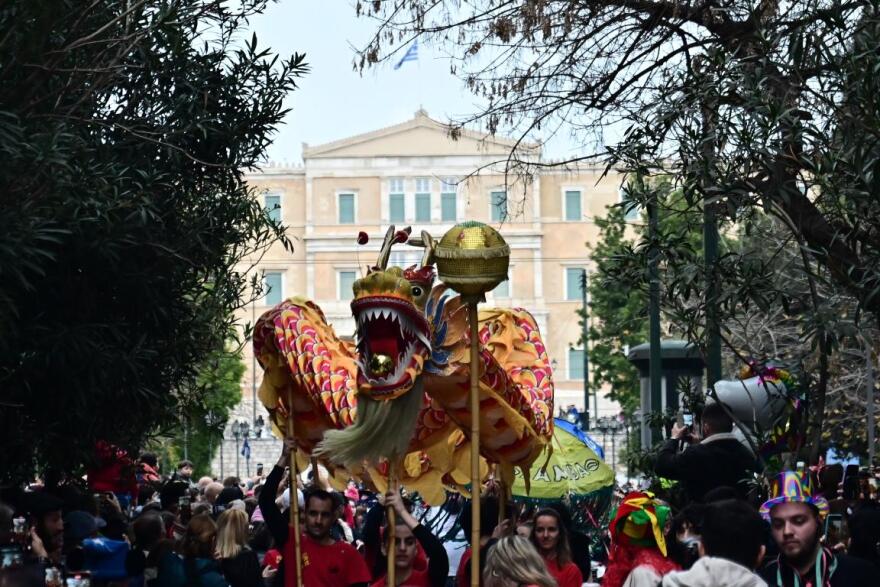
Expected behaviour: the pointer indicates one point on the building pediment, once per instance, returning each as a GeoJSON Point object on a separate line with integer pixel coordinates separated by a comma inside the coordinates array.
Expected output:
{"type": "Point", "coordinates": [421, 136]}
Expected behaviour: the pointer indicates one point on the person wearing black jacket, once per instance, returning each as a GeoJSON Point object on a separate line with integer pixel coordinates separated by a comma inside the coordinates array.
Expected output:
{"type": "Point", "coordinates": [719, 459]}
{"type": "Point", "coordinates": [408, 531]}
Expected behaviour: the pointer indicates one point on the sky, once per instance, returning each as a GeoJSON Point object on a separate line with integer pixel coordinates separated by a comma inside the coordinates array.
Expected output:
{"type": "Point", "coordinates": [334, 101]}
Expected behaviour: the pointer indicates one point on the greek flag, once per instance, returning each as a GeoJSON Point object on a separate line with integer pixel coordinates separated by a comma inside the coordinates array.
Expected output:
{"type": "Point", "coordinates": [246, 449]}
{"type": "Point", "coordinates": [412, 54]}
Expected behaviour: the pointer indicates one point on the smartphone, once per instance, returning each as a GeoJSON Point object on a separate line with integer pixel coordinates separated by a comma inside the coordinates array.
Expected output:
{"type": "Point", "coordinates": [687, 420]}
{"type": "Point", "coordinates": [801, 466]}
{"type": "Point", "coordinates": [259, 469]}
{"type": "Point", "coordinates": [834, 530]}
{"type": "Point", "coordinates": [185, 509]}
{"type": "Point", "coordinates": [851, 482]}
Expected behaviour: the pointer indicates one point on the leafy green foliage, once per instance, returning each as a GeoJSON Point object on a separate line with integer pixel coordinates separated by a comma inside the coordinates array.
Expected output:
{"type": "Point", "coordinates": [125, 220]}
{"type": "Point", "coordinates": [198, 435]}
{"type": "Point", "coordinates": [619, 316]}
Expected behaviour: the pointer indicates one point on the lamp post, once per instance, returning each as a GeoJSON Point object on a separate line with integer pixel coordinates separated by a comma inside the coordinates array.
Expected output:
{"type": "Point", "coordinates": [615, 425]}
{"type": "Point", "coordinates": [245, 433]}
{"type": "Point", "coordinates": [236, 433]}
{"type": "Point", "coordinates": [213, 422]}
{"type": "Point", "coordinates": [259, 424]}
{"type": "Point", "coordinates": [586, 336]}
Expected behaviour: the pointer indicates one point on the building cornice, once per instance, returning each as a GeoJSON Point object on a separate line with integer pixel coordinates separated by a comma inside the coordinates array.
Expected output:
{"type": "Point", "coordinates": [419, 120]}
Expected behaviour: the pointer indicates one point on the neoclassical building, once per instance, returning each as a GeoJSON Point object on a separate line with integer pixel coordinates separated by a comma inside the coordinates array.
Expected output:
{"type": "Point", "coordinates": [414, 174]}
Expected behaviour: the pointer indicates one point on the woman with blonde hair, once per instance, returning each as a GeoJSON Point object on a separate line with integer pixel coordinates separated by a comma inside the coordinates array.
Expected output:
{"type": "Point", "coordinates": [239, 563]}
{"type": "Point", "coordinates": [195, 565]}
{"type": "Point", "coordinates": [514, 562]}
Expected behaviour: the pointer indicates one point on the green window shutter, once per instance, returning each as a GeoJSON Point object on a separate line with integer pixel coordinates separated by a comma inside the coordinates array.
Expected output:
{"type": "Point", "coordinates": [346, 208]}
{"type": "Point", "coordinates": [273, 288]}
{"type": "Point", "coordinates": [273, 207]}
{"type": "Point", "coordinates": [573, 205]}
{"type": "Point", "coordinates": [448, 212]}
{"type": "Point", "coordinates": [423, 207]}
{"type": "Point", "coordinates": [573, 276]}
{"type": "Point", "coordinates": [396, 208]}
{"type": "Point", "coordinates": [499, 206]}
{"type": "Point", "coordinates": [575, 363]}
{"type": "Point", "coordinates": [346, 281]}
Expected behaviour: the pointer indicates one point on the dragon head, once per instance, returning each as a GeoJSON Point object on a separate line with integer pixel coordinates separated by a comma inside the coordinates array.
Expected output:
{"type": "Point", "coordinates": [393, 334]}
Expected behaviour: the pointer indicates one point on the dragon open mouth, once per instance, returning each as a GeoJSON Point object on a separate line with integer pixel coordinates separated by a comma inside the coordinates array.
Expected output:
{"type": "Point", "coordinates": [393, 343]}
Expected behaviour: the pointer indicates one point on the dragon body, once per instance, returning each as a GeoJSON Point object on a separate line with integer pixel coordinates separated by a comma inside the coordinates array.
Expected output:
{"type": "Point", "coordinates": [401, 390]}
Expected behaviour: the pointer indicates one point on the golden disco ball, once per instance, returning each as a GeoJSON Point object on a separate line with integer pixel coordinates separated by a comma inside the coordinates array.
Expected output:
{"type": "Point", "coordinates": [472, 258]}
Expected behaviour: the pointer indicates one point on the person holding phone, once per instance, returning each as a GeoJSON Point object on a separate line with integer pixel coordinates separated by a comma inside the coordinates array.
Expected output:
{"type": "Point", "coordinates": [715, 460]}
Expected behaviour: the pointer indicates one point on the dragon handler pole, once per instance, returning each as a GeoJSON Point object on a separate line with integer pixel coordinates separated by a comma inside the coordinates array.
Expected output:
{"type": "Point", "coordinates": [472, 258]}
{"type": "Point", "coordinates": [294, 498]}
{"type": "Point", "coordinates": [473, 318]}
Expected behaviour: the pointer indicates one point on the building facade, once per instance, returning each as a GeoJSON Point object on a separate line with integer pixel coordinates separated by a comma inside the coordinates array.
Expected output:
{"type": "Point", "coordinates": [414, 174]}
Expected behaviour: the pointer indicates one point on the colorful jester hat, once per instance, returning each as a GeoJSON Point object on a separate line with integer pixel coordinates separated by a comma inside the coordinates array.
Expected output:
{"type": "Point", "coordinates": [640, 521]}
{"type": "Point", "coordinates": [793, 487]}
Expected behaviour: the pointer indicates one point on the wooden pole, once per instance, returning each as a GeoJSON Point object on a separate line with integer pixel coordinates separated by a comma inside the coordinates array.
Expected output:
{"type": "Point", "coordinates": [473, 318]}
{"type": "Point", "coordinates": [502, 501]}
{"type": "Point", "coordinates": [391, 573]}
{"type": "Point", "coordinates": [294, 498]}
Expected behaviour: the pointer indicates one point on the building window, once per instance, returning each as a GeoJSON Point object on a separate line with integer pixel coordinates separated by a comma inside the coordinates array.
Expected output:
{"type": "Point", "coordinates": [502, 290]}
{"type": "Point", "coordinates": [272, 205]}
{"type": "Point", "coordinates": [395, 185]}
{"type": "Point", "coordinates": [404, 259]}
{"type": "Point", "coordinates": [346, 208]}
{"type": "Point", "coordinates": [423, 184]}
{"type": "Point", "coordinates": [573, 205]}
{"type": "Point", "coordinates": [573, 283]}
{"type": "Point", "coordinates": [273, 288]}
{"type": "Point", "coordinates": [423, 207]}
{"type": "Point", "coordinates": [448, 204]}
{"type": "Point", "coordinates": [499, 206]}
{"type": "Point", "coordinates": [396, 208]}
{"type": "Point", "coordinates": [630, 211]}
{"type": "Point", "coordinates": [344, 282]}
{"type": "Point", "coordinates": [576, 363]}
{"type": "Point", "coordinates": [448, 200]}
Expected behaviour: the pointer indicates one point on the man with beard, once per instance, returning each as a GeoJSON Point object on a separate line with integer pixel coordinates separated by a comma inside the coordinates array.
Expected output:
{"type": "Point", "coordinates": [48, 523]}
{"type": "Point", "coordinates": [795, 516]}
{"type": "Point", "coordinates": [325, 562]}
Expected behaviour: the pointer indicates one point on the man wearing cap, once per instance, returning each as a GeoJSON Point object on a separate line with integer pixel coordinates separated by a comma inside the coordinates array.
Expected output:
{"type": "Point", "coordinates": [796, 516]}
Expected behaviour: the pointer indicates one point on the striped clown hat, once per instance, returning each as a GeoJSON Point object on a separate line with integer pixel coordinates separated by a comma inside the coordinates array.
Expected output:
{"type": "Point", "coordinates": [793, 487]}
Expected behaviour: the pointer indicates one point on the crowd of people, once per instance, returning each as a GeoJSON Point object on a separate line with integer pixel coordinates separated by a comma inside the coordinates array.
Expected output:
{"type": "Point", "coordinates": [174, 531]}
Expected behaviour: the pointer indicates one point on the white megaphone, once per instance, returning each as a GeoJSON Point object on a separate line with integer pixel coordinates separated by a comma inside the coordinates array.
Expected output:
{"type": "Point", "coordinates": [758, 403]}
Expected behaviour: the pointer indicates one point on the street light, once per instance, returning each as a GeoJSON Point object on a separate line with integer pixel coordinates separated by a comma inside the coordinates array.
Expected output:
{"type": "Point", "coordinates": [236, 433]}
{"type": "Point", "coordinates": [259, 423]}
{"type": "Point", "coordinates": [213, 422]}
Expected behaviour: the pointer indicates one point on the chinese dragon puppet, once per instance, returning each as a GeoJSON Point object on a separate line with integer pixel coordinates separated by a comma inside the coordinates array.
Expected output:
{"type": "Point", "coordinates": [400, 390]}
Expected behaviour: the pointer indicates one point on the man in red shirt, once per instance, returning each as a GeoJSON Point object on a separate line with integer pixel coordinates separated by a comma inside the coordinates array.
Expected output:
{"type": "Point", "coordinates": [325, 562]}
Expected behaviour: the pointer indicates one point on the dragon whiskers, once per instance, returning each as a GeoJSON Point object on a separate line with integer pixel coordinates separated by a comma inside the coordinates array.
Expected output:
{"type": "Point", "coordinates": [382, 430]}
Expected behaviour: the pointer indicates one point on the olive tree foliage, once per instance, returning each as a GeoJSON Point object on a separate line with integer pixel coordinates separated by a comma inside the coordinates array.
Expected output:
{"type": "Point", "coordinates": [126, 224]}
{"type": "Point", "coordinates": [750, 108]}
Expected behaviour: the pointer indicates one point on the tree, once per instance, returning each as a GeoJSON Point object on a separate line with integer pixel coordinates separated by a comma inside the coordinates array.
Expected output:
{"type": "Point", "coordinates": [125, 222]}
{"type": "Point", "coordinates": [750, 109]}
{"type": "Point", "coordinates": [199, 431]}
{"type": "Point", "coordinates": [619, 316]}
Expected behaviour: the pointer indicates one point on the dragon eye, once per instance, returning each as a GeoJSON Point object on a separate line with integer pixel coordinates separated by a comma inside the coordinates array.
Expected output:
{"type": "Point", "coordinates": [416, 291]}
